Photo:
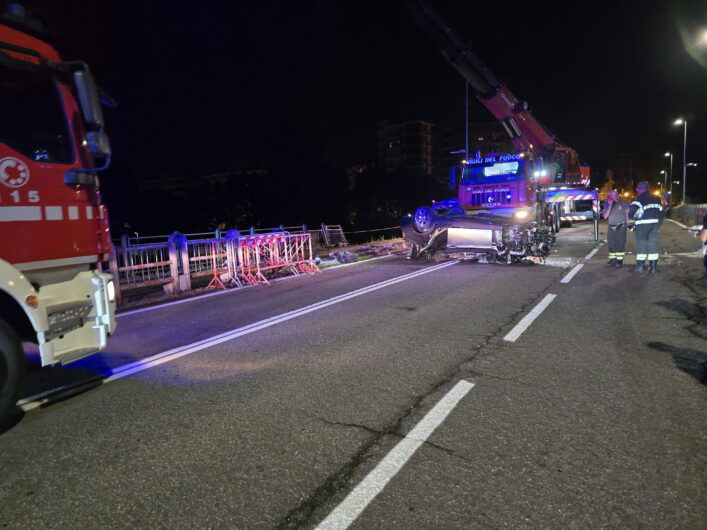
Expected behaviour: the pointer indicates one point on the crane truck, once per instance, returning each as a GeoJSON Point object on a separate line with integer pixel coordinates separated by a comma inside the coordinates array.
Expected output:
{"type": "Point", "coordinates": [53, 226]}
{"type": "Point", "coordinates": [508, 205]}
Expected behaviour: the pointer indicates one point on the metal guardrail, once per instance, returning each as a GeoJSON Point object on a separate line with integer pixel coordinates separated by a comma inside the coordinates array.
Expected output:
{"type": "Point", "coordinates": [176, 259]}
{"type": "Point", "coordinates": [325, 237]}
{"type": "Point", "coordinates": [693, 214]}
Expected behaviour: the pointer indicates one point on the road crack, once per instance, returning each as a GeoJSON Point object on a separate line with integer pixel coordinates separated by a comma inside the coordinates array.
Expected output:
{"type": "Point", "coordinates": [336, 484]}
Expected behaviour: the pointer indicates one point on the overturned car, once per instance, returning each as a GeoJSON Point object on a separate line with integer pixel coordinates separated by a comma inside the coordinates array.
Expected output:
{"type": "Point", "coordinates": [481, 236]}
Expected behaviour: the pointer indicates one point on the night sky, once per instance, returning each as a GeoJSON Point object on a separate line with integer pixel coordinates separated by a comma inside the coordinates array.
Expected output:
{"type": "Point", "coordinates": [211, 86]}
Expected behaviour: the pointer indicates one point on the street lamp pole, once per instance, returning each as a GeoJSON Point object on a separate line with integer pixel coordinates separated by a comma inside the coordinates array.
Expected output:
{"type": "Point", "coordinates": [670, 174]}
{"type": "Point", "coordinates": [684, 163]}
{"type": "Point", "coordinates": [683, 122]}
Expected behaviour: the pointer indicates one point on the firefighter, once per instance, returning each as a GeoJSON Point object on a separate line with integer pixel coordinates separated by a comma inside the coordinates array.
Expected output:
{"type": "Point", "coordinates": [646, 212]}
{"type": "Point", "coordinates": [616, 214]}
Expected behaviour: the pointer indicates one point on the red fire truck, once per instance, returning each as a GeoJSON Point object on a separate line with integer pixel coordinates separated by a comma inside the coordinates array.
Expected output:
{"type": "Point", "coordinates": [53, 227]}
{"type": "Point", "coordinates": [530, 192]}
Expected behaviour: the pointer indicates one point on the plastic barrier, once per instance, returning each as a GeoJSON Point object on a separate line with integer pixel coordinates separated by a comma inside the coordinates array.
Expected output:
{"type": "Point", "coordinates": [260, 255]}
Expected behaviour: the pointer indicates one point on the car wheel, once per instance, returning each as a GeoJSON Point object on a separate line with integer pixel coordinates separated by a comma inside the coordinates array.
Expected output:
{"type": "Point", "coordinates": [422, 219]}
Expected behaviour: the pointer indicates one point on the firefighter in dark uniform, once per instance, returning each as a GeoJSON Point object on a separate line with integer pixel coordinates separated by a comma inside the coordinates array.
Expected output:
{"type": "Point", "coordinates": [616, 214]}
{"type": "Point", "coordinates": [647, 213]}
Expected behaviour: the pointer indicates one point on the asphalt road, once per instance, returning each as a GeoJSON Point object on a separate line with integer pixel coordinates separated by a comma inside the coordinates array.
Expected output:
{"type": "Point", "coordinates": [594, 416]}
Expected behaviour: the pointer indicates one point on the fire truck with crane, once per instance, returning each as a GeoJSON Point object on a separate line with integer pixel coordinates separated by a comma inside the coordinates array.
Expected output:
{"type": "Point", "coordinates": [53, 226]}
{"type": "Point", "coordinates": [508, 206]}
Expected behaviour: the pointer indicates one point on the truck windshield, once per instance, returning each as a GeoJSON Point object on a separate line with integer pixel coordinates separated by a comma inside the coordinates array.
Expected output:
{"type": "Point", "coordinates": [493, 170]}
{"type": "Point", "coordinates": [33, 121]}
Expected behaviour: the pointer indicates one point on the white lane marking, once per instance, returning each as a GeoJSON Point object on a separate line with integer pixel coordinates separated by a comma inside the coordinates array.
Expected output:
{"type": "Point", "coordinates": [20, 213]}
{"type": "Point", "coordinates": [528, 319]}
{"type": "Point", "coordinates": [591, 254]}
{"type": "Point", "coordinates": [235, 290]}
{"type": "Point", "coordinates": [556, 261]}
{"type": "Point", "coordinates": [571, 273]}
{"type": "Point", "coordinates": [679, 224]}
{"type": "Point", "coordinates": [367, 490]}
{"type": "Point", "coordinates": [53, 213]}
{"type": "Point", "coordinates": [38, 400]}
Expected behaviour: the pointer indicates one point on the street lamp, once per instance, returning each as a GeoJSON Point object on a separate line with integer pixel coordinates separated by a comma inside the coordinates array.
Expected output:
{"type": "Point", "coordinates": [683, 122]}
{"type": "Point", "coordinates": [670, 175]}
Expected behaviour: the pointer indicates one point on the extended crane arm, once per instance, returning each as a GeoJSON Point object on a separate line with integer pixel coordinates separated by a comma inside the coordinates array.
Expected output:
{"type": "Point", "coordinates": [526, 132]}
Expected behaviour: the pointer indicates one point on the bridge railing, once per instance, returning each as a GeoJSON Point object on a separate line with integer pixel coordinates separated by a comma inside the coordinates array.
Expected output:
{"type": "Point", "coordinates": [691, 214]}
{"type": "Point", "coordinates": [176, 260]}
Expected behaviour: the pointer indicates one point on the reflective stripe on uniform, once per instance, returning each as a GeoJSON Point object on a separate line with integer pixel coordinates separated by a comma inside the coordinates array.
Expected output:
{"type": "Point", "coordinates": [653, 257]}
{"type": "Point", "coordinates": [653, 205]}
{"type": "Point", "coordinates": [646, 221]}
{"type": "Point", "coordinates": [639, 206]}
{"type": "Point", "coordinates": [641, 257]}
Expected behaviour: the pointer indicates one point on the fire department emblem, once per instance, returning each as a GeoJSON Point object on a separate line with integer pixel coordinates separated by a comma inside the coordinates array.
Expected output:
{"type": "Point", "coordinates": [13, 172]}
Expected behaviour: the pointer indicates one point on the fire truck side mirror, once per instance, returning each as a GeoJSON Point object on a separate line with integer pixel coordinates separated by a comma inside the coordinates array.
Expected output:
{"type": "Point", "coordinates": [89, 101]}
{"type": "Point", "coordinates": [98, 144]}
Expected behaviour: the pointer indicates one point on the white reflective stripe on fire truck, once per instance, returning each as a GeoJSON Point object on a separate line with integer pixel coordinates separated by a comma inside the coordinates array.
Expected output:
{"type": "Point", "coordinates": [46, 264]}
{"type": "Point", "coordinates": [20, 213]}
{"type": "Point", "coordinates": [34, 213]}
{"type": "Point", "coordinates": [53, 213]}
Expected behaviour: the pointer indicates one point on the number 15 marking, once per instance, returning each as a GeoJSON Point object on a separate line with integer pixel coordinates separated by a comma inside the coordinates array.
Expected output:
{"type": "Point", "coordinates": [32, 196]}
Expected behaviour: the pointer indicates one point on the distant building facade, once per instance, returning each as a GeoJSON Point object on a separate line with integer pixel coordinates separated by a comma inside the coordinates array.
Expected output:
{"type": "Point", "coordinates": [354, 172]}
{"type": "Point", "coordinates": [484, 138]}
{"type": "Point", "coordinates": [182, 185]}
{"type": "Point", "coordinates": [406, 146]}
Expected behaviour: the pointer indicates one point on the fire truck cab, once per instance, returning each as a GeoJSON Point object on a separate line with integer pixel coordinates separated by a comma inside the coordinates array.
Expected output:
{"type": "Point", "coordinates": [53, 226]}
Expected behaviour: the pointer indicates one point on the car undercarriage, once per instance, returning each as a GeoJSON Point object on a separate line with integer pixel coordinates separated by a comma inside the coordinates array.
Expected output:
{"type": "Point", "coordinates": [484, 237]}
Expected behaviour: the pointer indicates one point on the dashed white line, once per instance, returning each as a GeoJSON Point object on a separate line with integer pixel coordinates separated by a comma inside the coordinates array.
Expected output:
{"type": "Point", "coordinates": [367, 490]}
{"type": "Point", "coordinates": [38, 400]}
{"type": "Point", "coordinates": [528, 319]}
{"type": "Point", "coordinates": [571, 273]}
{"type": "Point", "coordinates": [591, 254]}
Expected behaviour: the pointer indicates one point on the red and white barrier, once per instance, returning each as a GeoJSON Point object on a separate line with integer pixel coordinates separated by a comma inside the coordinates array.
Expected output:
{"type": "Point", "coordinates": [260, 255]}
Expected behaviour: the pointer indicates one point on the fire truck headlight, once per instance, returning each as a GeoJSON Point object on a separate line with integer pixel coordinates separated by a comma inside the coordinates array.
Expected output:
{"type": "Point", "coordinates": [521, 214]}
{"type": "Point", "coordinates": [536, 174]}
{"type": "Point", "coordinates": [543, 173]}
{"type": "Point", "coordinates": [110, 287]}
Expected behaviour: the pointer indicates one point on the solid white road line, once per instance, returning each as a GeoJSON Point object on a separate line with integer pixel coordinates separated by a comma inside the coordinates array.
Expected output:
{"type": "Point", "coordinates": [235, 290]}
{"type": "Point", "coordinates": [679, 224]}
{"type": "Point", "coordinates": [591, 254]}
{"type": "Point", "coordinates": [571, 273]}
{"type": "Point", "coordinates": [175, 353]}
{"type": "Point", "coordinates": [367, 490]}
{"type": "Point", "coordinates": [528, 319]}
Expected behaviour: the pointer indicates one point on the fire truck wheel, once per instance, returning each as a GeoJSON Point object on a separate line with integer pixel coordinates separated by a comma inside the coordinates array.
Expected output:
{"type": "Point", "coordinates": [12, 369]}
